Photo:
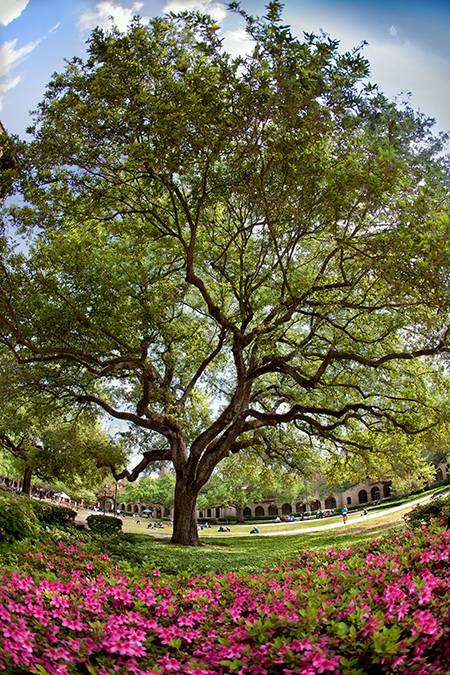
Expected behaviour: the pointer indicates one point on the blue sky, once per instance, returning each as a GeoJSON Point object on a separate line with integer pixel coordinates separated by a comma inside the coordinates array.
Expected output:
{"type": "Point", "coordinates": [408, 42]}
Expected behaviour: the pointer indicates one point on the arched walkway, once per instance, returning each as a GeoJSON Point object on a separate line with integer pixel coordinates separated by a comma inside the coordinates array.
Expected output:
{"type": "Point", "coordinates": [273, 511]}
{"type": "Point", "coordinates": [330, 503]}
{"type": "Point", "coordinates": [438, 476]}
{"type": "Point", "coordinates": [315, 505]}
{"type": "Point", "coordinates": [375, 494]}
{"type": "Point", "coordinates": [247, 512]}
{"type": "Point", "coordinates": [362, 497]}
{"type": "Point", "coordinates": [259, 511]}
{"type": "Point", "coordinates": [286, 509]}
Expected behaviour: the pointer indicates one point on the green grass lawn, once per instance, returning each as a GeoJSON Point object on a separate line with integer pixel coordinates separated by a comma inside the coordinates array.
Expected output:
{"type": "Point", "coordinates": [131, 525]}
{"type": "Point", "coordinates": [244, 553]}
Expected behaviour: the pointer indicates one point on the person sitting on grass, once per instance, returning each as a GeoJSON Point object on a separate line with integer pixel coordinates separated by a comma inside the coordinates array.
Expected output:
{"type": "Point", "coordinates": [254, 530]}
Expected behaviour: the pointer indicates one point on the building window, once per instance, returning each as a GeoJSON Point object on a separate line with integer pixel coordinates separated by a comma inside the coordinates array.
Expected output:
{"type": "Point", "coordinates": [349, 501]}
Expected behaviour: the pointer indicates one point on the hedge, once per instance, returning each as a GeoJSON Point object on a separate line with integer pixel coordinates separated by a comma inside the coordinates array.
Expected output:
{"type": "Point", "coordinates": [49, 515]}
{"type": "Point", "coordinates": [17, 518]}
{"type": "Point", "coordinates": [438, 507]}
{"type": "Point", "coordinates": [104, 524]}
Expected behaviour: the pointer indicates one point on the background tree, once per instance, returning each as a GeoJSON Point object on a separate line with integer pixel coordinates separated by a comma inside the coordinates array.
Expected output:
{"type": "Point", "coordinates": [152, 490]}
{"type": "Point", "coordinates": [242, 480]}
{"type": "Point", "coordinates": [223, 247]}
{"type": "Point", "coordinates": [47, 440]}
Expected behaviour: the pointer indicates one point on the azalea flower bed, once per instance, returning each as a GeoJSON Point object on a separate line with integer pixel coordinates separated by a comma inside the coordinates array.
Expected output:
{"type": "Point", "coordinates": [380, 607]}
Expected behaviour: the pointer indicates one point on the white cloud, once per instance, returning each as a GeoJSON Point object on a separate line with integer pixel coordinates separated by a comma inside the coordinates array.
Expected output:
{"type": "Point", "coordinates": [107, 12]}
{"type": "Point", "coordinates": [404, 66]}
{"type": "Point", "coordinates": [10, 56]}
{"type": "Point", "coordinates": [11, 9]}
{"type": "Point", "coordinates": [396, 65]}
{"type": "Point", "coordinates": [6, 85]}
{"type": "Point", "coordinates": [55, 27]}
{"type": "Point", "coordinates": [216, 9]}
{"type": "Point", "coordinates": [10, 83]}
{"type": "Point", "coordinates": [237, 42]}
{"type": "Point", "coordinates": [393, 32]}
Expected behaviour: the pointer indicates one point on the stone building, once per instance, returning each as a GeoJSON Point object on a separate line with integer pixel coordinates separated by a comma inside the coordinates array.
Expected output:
{"type": "Point", "coordinates": [366, 492]}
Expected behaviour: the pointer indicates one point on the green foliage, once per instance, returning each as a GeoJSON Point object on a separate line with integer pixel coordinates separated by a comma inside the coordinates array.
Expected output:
{"type": "Point", "coordinates": [438, 507]}
{"type": "Point", "coordinates": [49, 438]}
{"type": "Point", "coordinates": [17, 518]}
{"type": "Point", "coordinates": [104, 524]}
{"type": "Point", "coordinates": [7, 164]}
{"type": "Point", "coordinates": [230, 253]}
{"type": "Point", "coordinates": [50, 515]}
{"type": "Point", "coordinates": [157, 490]}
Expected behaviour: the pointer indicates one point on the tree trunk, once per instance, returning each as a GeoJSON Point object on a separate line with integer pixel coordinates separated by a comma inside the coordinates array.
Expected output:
{"type": "Point", "coordinates": [184, 516]}
{"type": "Point", "coordinates": [26, 480]}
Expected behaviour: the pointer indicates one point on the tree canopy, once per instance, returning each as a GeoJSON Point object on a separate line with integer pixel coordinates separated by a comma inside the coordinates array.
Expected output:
{"type": "Point", "coordinates": [229, 252]}
{"type": "Point", "coordinates": [48, 440]}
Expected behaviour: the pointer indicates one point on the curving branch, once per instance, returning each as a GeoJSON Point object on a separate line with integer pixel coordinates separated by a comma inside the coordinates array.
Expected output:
{"type": "Point", "coordinates": [201, 369]}
{"type": "Point", "coordinates": [149, 457]}
{"type": "Point", "coordinates": [159, 423]}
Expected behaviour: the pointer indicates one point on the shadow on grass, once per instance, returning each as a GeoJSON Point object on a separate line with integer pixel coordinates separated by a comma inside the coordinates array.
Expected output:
{"type": "Point", "coordinates": [243, 554]}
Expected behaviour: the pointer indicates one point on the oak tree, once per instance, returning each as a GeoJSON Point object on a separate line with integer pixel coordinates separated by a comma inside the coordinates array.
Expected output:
{"type": "Point", "coordinates": [220, 248]}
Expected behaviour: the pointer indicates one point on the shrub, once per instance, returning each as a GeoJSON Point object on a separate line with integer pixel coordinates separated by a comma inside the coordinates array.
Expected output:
{"type": "Point", "coordinates": [380, 607]}
{"type": "Point", "coordinates": [104, 524]}
{"type": "Point", "coordinates": [49, 515]}
{"type": "Point", "coordinates": [17, 518]}
{"type": "Point", "coordinates": [435, 508]}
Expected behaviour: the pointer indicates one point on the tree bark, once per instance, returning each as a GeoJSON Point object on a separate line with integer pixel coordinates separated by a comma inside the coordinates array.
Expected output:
{"type": "Point", "coordinates": [26, 480]}
{"type": "Point", "coordinates": [185, 517]}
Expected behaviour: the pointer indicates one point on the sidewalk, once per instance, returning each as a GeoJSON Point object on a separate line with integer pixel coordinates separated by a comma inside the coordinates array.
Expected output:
{"type": "Point", "coordinates": [352, 519]}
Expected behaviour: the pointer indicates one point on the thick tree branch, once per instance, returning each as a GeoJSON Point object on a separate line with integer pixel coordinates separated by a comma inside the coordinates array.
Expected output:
{"type": "Point", "coordinates": [148, 457]}
{"type": "Point", "coordinates": [153, 421]}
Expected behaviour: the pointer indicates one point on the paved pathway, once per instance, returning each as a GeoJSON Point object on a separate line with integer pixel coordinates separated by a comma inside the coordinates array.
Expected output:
{"type": "Point", "coordinates": [354, 518]}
